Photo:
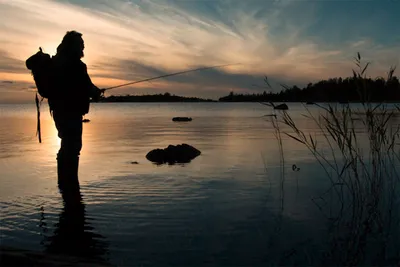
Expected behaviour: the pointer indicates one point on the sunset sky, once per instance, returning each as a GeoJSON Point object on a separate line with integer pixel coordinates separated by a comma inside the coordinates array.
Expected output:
{"type": "Point", "coordinates": [290, 41]}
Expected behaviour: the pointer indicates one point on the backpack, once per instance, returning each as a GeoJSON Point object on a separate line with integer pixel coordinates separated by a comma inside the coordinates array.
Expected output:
{"type": "Point", "coordinates": [40, 64]}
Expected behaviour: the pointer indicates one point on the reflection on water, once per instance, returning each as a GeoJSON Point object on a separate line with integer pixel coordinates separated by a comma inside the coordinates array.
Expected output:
{"type": "Point", "coordinates": [73, 234]}
{"type": "Point", "coordinates": [221, 209]}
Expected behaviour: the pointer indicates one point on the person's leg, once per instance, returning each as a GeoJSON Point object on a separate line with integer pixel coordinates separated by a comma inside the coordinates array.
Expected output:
{"type": "Point", "coordinates": [70, 131]}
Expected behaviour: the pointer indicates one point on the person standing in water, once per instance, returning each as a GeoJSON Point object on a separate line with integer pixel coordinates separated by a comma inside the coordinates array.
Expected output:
{"type": "Point", "coordinates": [71, 100]}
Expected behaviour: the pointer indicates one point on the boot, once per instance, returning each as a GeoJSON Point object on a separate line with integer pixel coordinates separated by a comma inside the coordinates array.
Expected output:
{"type": "Point", "coordinates": [67, 170]}
{"type": "Point", "coordinates": [61, 170]}
{"type": "Point", "coordinates": [73, 169]}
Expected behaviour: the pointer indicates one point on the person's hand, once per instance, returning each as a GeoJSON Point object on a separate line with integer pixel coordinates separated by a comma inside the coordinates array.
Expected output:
{"type": "Point", "coordinates": [98, 94]}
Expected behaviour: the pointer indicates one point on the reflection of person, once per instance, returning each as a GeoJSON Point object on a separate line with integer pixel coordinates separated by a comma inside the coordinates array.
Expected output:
{"type": "Point", "coordinates": [73, 236]}
{"type": "Point", "coordinates": [71, 100]}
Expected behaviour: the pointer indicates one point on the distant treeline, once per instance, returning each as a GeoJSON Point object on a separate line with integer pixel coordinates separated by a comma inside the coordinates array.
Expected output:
{"type": "Point", "coordinates": [349, 89]}
{"type": "Point", "coordinates": [166, 97]}
{"type": "Point", "coordinates": [332, 90]}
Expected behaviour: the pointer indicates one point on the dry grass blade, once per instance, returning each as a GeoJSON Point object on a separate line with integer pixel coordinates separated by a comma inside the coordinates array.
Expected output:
{"type": "Point", "coordinates": [365, 68]}
{"type": "Point", "coordinates": [295, 138]}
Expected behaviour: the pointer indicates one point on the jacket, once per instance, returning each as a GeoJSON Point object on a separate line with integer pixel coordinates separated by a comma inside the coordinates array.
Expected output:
{"type": "Point", "coordinates": [73, 87]}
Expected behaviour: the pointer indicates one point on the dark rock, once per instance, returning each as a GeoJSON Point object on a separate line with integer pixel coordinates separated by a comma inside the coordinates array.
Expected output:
{"type": "Point", "coordinates": [173, 154]}
{"type": "Point", "coordinates": [181, 119]}
{"type": "Point", "coordinates": [134, 162]}
{"type": "Point", "coordinates": [281, 107]}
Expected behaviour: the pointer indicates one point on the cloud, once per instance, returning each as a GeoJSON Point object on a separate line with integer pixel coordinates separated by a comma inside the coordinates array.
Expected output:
{"type": "Point", "coordinates": [128, 40]}
{"type": "Point", "coordinates": [10, 64]}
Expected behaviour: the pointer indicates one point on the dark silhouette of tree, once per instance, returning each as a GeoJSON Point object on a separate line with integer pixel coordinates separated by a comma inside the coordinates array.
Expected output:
{"type": "Point", "coordinates": [330, 90]}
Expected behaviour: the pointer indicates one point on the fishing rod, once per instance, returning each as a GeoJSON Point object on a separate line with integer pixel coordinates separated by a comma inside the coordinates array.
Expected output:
{"type": "Point", "coordinates": [168, 75]}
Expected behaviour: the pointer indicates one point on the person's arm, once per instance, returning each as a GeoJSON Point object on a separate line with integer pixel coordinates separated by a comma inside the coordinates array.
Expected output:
{"type": "Point", "coordinates": [94, 92]}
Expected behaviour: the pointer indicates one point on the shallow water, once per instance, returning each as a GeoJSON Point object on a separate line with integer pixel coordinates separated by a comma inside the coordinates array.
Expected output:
{"type": "Point", "coordinates": [223, 208]}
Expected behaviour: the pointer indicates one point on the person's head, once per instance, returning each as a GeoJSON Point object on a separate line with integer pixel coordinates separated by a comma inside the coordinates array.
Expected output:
{"type": "Point", "coordinates": [72, 45]}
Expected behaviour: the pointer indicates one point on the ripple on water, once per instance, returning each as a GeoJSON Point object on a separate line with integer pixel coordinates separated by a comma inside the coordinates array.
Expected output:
{"type": "Point", "coordinates": [221, 209]}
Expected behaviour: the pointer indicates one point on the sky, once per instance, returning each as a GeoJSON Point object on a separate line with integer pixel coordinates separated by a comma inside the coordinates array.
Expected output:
{"type": "Point", "coordinates": [289, 41]}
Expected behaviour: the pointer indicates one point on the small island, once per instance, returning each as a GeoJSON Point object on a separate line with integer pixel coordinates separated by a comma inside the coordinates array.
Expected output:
{"type": "Point", "coordinates": [166, 97]}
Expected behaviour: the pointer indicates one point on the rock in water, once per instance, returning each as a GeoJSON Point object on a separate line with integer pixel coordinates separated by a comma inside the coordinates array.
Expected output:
{"type": "Point", "coordinates": [181, 119]}
{"type": "Point", "coordinates": [282, 107]}
{"type": "Point", "coordinates": [173, 154]}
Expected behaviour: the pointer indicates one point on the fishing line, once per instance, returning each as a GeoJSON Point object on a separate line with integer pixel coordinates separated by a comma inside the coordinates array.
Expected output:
{"type": "Point", "coordinates": [169, 75]}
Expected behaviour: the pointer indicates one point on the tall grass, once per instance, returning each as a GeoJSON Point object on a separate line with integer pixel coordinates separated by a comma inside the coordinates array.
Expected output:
{"type": "Point", "coordinates": [363, 170]}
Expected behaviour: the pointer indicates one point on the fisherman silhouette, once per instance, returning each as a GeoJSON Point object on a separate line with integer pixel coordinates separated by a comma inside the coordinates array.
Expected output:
{"type": "Point", "coordinates": [70, 101]}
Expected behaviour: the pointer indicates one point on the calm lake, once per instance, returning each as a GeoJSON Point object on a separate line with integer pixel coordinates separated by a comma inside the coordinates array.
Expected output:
{"type": "Point", "coordinates": [224, 208]}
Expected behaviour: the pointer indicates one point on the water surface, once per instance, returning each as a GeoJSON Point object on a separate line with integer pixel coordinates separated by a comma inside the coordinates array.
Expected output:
{"type": "Point", "coordinates": [223, 208]}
